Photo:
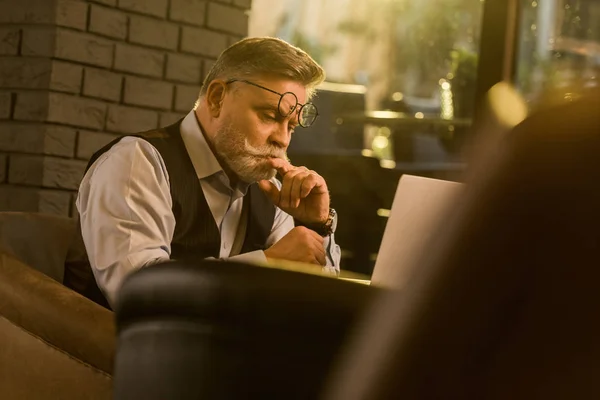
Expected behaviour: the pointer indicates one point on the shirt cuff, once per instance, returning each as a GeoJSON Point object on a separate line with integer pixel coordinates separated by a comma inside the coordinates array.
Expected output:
{"type": "Point", "coordinates": [253, 257]}
{"type": "Point", "coordinates": [331, 270]}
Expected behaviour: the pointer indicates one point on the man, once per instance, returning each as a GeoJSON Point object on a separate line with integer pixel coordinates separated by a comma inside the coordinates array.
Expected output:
{"type": "Point", "coordinates": [205, 187]}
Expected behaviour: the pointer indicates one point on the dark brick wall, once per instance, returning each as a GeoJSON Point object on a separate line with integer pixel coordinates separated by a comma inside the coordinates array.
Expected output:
{"type": "Point", "coordinates": [74, 74]}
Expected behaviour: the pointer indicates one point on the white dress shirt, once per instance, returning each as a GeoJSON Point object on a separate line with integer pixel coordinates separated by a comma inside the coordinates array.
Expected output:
{"type": "Point", "coordinates": [125, 209]}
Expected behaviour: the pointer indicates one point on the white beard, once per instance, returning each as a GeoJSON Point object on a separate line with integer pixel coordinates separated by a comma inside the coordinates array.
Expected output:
{"type": "Point", "coordinates": [246, 161]}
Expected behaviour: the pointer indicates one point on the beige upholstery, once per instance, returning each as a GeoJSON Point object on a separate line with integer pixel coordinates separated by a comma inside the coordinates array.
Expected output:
{"type": "Point", "coordinates": [54, 343]}
{"type": "Point", "coordinates": [32, 369]}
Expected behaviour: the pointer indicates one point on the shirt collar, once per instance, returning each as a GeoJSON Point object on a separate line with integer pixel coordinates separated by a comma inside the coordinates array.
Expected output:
{"type": "Point", "coordinates": [203, 159]}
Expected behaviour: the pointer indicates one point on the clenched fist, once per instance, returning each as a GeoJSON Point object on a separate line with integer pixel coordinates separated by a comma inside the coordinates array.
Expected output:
{"type": "Point", "coordinates": [300, 244]}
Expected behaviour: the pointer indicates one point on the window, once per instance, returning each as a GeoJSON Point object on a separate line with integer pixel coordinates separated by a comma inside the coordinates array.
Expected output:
{"type": "Point", "coordinates": [415, 57]}
{"type": "Point", "coordinates": [559, 50]}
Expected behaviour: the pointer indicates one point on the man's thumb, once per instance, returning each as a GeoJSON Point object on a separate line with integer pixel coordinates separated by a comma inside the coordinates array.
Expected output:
{"type": "Point", "coordinates": [270, 190]}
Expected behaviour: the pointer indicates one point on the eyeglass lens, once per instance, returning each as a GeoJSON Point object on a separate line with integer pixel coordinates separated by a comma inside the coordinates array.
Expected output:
{"type": "Point", "coordinates": [307, 113]}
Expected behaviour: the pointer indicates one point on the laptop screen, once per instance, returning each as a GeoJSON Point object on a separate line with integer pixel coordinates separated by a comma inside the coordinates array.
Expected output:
{"type": "Point", "coordinates": [417, 210]}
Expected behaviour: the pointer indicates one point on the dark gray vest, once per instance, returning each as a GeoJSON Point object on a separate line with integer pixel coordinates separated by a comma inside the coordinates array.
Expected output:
{"type": "Point", "coordinates": [196, 234]}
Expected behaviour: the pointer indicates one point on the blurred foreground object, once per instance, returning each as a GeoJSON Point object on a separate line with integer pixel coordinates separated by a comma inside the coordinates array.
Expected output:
{"type": "Point", "coordinates": [227, 330]}
{"type": "Point", "coordinates": [505, 305]}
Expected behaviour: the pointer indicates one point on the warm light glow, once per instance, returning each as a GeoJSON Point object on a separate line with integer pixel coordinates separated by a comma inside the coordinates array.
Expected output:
{"type": "Point", "coordinates": [419, 115]}
{"type": "Point", "coordinates": [382, 212]}
{"type": "Point", "coordinates": [384, 131]}
{"type": "Point", "coordinates": [507, 104]}
{"type": "Point", "coordinates": [380, 143]}
{"type": "Point", "coordinates": [387, 164]}
{"type": "Point", "coordinates": [446, 98]}
{"type": "Point", "coordinates": [367, 153]}
{"type": "Point", "coordinates": [384, 114]}
{"type": "Point", "coordinates": [397, 96]}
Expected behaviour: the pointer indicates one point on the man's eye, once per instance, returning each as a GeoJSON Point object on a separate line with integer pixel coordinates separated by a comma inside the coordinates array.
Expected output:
{"type": "Point", "coordinates": [270, 117]}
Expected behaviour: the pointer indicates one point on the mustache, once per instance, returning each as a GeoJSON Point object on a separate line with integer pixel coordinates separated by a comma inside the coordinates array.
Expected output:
{"type": "Point", "coordinates": [264, 151]}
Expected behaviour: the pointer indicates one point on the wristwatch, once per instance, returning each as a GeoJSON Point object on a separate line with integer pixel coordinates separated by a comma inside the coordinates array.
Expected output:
{"type": "Point", "coordinates": [325, 229]}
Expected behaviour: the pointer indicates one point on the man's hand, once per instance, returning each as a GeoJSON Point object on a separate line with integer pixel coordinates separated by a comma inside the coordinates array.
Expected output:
{"type": "Point", "coordinates": [303, 193]}
{"type": "Point", "coordinates": [300, 244]}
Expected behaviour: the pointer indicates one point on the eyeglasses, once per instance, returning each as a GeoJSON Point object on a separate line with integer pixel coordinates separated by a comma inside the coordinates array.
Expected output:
{"type": "Point", "coordinates": [288, 102]}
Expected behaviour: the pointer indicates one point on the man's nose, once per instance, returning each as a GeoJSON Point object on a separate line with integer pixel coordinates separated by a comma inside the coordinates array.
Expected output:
{"type": "Point", "coordinates": [281, 137]}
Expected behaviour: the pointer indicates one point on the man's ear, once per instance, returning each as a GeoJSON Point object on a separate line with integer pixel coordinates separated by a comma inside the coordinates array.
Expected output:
{"type": "Point", "coordinates": [215, 93]}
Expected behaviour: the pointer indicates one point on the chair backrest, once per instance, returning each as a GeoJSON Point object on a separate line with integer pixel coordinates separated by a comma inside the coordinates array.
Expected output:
{"type": "Point", "coordinates": [54, 343]}
{"type": "Point", "coordinates": [53, 245]}
{"type": "Point", "coordinates": [505, 304]}
{"type": "Point", "coordinates": [41, 241]}
{"type": "Point", "coordinates": [226, 330]}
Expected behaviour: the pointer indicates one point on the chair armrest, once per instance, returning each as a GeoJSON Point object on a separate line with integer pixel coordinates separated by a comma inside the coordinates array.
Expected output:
{"type": "Point", "coordinates": [56, 314]}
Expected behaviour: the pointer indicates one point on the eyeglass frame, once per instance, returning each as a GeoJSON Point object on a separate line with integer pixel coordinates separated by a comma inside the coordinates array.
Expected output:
{"type": "Point", "coordinates": [281, 98]}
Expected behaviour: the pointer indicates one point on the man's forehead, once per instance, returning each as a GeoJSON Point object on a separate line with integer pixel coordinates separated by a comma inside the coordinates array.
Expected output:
{"type": "Point", "coordinates": [283, 85]}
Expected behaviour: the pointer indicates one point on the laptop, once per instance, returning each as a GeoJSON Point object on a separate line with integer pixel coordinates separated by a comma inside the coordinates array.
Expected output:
{"type": "Point", "coordinates": [417, 213]}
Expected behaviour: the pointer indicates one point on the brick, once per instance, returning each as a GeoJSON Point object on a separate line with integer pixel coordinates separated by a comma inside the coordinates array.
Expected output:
{"type": "Point", "coordinates": [39, 42]}
{"type": "Point", "coordinates": [158, 8]}
{"type": "Point", "coordinates": [84, 48]}
{"type": "Point", "coordinates": [54, 202]}
{"type": "Point", "coordinates": [5, 104]}
{"type": "Point", "coordinates": [169, 118]}
{"type": "Point", "coordinates": [90, 142]}
{"type": "Point", "coordinates": [31, 106]}
{"type": "Point", "coordinates": [102, 84]}
{"type": "Point", "coordinates": [15, 198]}
{"type": "Point", "coordinates": [37, 139]}
{"type": "Point", "coordinates": [111, 3]}
{"type": "Point", "coordinates": [138, 60]}
{"type": "Point", "coordinates": [108, 22]}
{"type": "Point", "coordinates": [231, 40]}
{"type": "Point", "coordinates": [25, 72]}
{"type": "Point", "coordinates": [185, 97]}
{"type": "Point", "coordinates": [66, 77]}
{"type": "Point", "coordinates": [202, 41]}
{"type": "Point", "coordinates": [27, 12]}
{"type": "Point", "coordinates": [45, 171]}
{"type": "Point", "coordinates": [72, 14]}
{"type": "Point", "coordinates": [60, 108]}
{"type": "Point", "coordinates": [69, 45]}
{"type": "Point", "coordinates": [77, 111]}
{"type": "Point", "coordinates": [3, 165]}
{"type": "Point", "coordinates": [182, 68]}
{"type": "Point", "coordinates": [62, 173]}
{"type": "Point", "coordinates": [206, 67]}
{"type": "Point", "coordinates": [227, 19]}
{"type": "Point", "coordinates": [9, 41]}
{"type": "Point", "coordinates": [153, 33]}
{"type": "Point", "coordinates": [148, 93]}
{"type": "Point", "coordinates": [26, 169]}
{"type": "Point", "coordinates": [189, 11]}
{"type": "Point", "coordinates": [122, 119]}
{"type": "Point", "coordinates": [245, 4]}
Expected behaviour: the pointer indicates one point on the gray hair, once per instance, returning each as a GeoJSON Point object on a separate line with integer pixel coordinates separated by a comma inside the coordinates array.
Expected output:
{"type": "Point", "coordinates": [266, 56]}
